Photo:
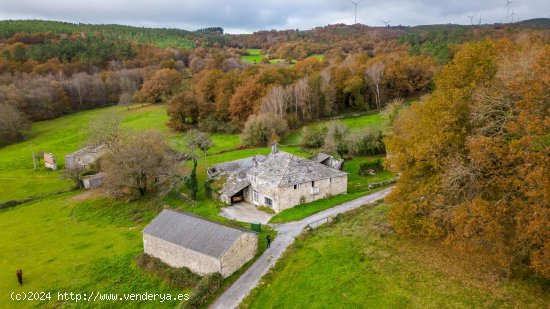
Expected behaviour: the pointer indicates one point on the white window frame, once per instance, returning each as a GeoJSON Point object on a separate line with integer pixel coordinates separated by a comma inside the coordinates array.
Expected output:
{"type": "Point", "coordinates": [266, 203]}
{"type": "Point", "coordinates": [255, 196]}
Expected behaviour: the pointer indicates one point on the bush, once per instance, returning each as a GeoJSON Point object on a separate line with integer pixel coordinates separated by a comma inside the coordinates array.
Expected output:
{"type": "Point", "coordinates": [259, 129]}
{"type": "Point", "coordinates": [204, 290]}
{"type": "Point", "coordinates": [313, 137]}
{"type": "Point", "coordinates": [212, 125]}
{"type": "Point", "coordinates": [335, 139]}
{"type": "Point", "coordinates": [365, 142]}
{"type": "Point", "coordinates": [372, 166]}
{"type": "Point", "coordinates": [181, 278]}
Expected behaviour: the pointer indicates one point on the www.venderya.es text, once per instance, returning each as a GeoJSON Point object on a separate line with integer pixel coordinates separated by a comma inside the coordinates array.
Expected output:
{"type": "Point", "coordinates": [96, 296]}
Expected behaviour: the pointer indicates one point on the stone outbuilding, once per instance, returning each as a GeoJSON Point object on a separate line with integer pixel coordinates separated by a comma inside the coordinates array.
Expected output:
{"type": "Point", "coordinates": [184, 240]}
{"type": "Point", "coordinates": [93, 181]}
{"type": "Point", "coordinates": [83, 158]}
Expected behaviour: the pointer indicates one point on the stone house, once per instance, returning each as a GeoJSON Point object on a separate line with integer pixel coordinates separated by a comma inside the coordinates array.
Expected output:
{"type": "Point", "coordinates": [185, 240]}
{"type": "Point", "coordinates": [280, 180]}
{"type": "Point", "coordinates": [83, 158]}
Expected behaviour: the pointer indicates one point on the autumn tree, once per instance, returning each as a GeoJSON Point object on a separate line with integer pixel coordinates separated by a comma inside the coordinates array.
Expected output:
{"type": "Point", "coordinates": [161, 85]}
{"type": "Point", "coordinates": [473, 156]}
{"type": "Point", "coordinates": [246, 100]}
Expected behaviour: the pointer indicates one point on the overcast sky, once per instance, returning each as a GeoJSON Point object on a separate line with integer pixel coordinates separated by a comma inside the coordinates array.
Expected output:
{"type": "Point", "coordinates": [245, 16]}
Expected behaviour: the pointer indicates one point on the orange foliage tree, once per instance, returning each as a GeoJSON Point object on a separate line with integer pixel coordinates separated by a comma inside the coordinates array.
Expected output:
{"type": "Point", "coordinates": [474, 157]}
{"type": "Point", "coordinates": [161, 85]}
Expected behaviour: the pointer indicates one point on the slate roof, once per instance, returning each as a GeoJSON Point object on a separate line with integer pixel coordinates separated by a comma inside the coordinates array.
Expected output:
{"type": "Point", "coordinates": [284, 169]}
{"type": "Point", "coordinates": [235, 166]}
{"type": "Point", "coordinates": [233, 186]}
{"type": "Point", "coordinates": [88, 150]}
{"type": "Point", "coordinates": [320, 157]}
{"type": "Point", "coordinates": [194, 233]}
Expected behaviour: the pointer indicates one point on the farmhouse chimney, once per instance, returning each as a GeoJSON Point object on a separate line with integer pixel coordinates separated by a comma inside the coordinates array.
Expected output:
{"type": "Point", "coordinates": [274, 148]}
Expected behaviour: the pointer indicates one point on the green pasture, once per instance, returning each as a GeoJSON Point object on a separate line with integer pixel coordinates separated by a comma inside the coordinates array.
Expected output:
{"type": "Point", "coordinates": [69, 133]}
{"type": "Point", "coordinates": [357, 262]}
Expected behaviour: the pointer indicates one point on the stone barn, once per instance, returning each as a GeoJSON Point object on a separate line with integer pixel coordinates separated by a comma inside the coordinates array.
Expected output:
{"type": "Point", "coordinates": [185, 240]}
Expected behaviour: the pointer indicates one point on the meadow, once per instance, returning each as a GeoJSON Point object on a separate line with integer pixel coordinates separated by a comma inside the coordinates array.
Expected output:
{"type": "Point", "coordinates": [373, 268]}
{"type": "Point", "coordinates": [67, 134]}
{"type": "Point", "coordinates": [254, 56]}
{"type": "Point", "coordinates": [75, 243]}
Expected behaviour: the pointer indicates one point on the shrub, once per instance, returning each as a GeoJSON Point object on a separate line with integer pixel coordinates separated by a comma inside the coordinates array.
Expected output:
{"type": "Point", "coordinates": [181, 278]}
{"type": "Point", "coordinates": [258, 129]}
{"type": "Point", "coordinates": [365, 142]}
{"type": "Point", "coordinates": [204, 290]}
{"type": "Point", "coordinates": [335, 139]}
{"type": "Point", "coordinates": [313, 137]}
{"type": "Point", "coordinates": [374, 166]}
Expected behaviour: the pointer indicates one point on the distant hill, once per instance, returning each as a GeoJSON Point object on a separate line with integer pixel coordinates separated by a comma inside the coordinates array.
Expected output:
{"type": "Point", "coordinates": [161, 37]}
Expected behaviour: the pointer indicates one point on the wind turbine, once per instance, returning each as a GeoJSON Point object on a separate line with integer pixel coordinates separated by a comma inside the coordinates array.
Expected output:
{"type": "Point", "coordinates": [355, 3]}
{"type": "Point", "coordinates": [514, 15]}
{"type": "Point", "coordinates": [507, 6]}
{"type": "Point", "coordinates": [386, 22]}
{"type": "Point", "coordinates": [472, 18]}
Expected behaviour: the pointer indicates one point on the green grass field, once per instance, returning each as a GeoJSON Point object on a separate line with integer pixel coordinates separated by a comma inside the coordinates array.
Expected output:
{"type": "Point", "coordinates": [357, 262]}
{"type": "Point", "coordinates": [67, 134]}
{"type": "Point", "coordinates": [66, 243]}
{"type": "Point", "coordinates": [255, 56]}
{"type": "Point", "coordinates": [375, 121]}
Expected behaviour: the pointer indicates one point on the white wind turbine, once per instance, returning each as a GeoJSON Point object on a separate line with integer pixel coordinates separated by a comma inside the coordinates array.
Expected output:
{"type": "Point", "coordinates": [355, 3]}
{"type": "Point", "coordinates": [472, 18]}
{"type": "Point", "coordinates": [507, 6]}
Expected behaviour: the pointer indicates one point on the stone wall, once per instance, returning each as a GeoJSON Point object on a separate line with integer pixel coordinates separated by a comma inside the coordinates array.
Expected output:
{"type": "Point", "coordinates": [290, 197]}
{"type": "Point", "coordinates": [264, 190]}
{"type": "Point", "coordinates": [241, 252]}
{"type": "Point", "coordinates": [177, 256]}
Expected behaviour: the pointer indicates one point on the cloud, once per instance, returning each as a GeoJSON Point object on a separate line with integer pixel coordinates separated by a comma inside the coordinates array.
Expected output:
{"type": "Point", "coordinates": [246, 16]}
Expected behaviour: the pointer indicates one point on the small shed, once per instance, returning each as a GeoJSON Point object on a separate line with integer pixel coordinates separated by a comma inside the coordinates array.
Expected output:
{"type": "Point", "coordinates": [184, 240]}
{"type": "Point", "coordinates": [93, 181]}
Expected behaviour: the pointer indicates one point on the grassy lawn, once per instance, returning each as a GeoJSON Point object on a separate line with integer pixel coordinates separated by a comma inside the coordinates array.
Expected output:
{"type": "Point", "coordinates": [375, 121]}
{"type": "Point", "coordinates": [356, 262]}
{"type": "Point", "coordinates": [65, 243]}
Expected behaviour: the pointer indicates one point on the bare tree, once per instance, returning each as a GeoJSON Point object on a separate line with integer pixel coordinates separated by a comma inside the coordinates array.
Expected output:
{"type": "Point", "coordinates": [195, 139]}
{"type": "Point", "coordinates": [12, 124]}
{"type": "Point", "coordinates": [374, 74]}
{"type": "Point", "coordinates": [106, 130]}
{"type": "Point", "coordinates": [276, 101]}
{"type": "Point", "coordinates": [142, 164]}
{"type": "Point", "coordinates": [126, 99]}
